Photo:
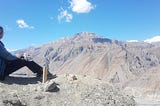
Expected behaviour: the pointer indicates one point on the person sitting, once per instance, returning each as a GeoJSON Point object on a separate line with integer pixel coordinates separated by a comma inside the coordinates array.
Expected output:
{"type": "Point", "coordinates": [10, 63]}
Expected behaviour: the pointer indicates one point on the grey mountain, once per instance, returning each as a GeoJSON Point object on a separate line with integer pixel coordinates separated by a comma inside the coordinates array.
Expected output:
{"type": "Point", "coordinates": [133, 66]}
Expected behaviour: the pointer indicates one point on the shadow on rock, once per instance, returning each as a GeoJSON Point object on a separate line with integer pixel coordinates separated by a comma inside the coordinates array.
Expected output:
{"type": "Point", "coordinates": [24, 80]}
{"type": "Point", "coordinates": [21, 80]}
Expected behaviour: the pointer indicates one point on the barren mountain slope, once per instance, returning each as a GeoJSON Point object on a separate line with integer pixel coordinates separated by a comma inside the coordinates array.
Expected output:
{"type": "Point", "coordinates": [126, 64]}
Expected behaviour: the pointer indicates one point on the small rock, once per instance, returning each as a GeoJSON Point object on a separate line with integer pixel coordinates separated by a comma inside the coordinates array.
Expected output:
{"type": "Point", "coordinates": [49, 87]}
{"type": "Point", "coordinates": [71, 77]}
{"type": "Point", "coordinates": [39, 97]}
{"type": "Point", "coordinates": [74, 77]}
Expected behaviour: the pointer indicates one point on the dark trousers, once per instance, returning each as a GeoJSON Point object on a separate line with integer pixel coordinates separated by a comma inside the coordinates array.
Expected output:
{"type": "Point", "coordinates": [12, 66]}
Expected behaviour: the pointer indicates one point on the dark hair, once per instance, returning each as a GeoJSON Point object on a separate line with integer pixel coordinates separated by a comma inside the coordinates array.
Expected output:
{"type": "Point", "coordinates": [1, 28]}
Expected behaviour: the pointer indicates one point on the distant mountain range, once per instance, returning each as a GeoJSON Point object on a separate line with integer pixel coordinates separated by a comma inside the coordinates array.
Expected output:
{"type": "Point", "coordinates": [133, 66]}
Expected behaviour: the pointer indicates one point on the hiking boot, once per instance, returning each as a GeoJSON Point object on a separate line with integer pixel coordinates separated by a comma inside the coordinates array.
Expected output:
{"type": "Point", "coordinates": [51, 76]}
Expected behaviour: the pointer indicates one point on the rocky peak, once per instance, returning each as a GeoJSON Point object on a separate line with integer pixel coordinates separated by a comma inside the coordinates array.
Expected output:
{"type": "Point", "coordinates": [88, 36]}
{"type": "Point", "coordinates": [85, 34]}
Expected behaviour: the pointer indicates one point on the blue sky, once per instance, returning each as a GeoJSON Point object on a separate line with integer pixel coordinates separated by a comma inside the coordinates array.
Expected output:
{"type": "Point", "coordinates": [35, 22]}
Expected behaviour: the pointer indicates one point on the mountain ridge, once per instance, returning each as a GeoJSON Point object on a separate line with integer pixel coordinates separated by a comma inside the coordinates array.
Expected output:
{"type": "Point", "coordinates": [118, 62]}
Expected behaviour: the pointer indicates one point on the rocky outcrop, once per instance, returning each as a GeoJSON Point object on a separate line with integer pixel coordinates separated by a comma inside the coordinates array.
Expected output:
{"type": "Point", "coordinates": [68, 90]}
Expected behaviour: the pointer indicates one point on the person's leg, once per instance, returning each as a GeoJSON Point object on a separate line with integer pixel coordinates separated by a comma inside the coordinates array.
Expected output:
{"type": "Point", "coordinates": [34, 67]}
{"type": "Point", "coordinates": [14, 65]}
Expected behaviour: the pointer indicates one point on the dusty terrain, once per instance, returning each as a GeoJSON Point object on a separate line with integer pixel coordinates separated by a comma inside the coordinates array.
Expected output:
{"type": "Point", "coordinates": [64, 90]}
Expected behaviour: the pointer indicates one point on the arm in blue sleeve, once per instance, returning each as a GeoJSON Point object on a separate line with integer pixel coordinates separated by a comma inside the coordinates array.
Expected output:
{"type": "Point", "coordinates": [5, 54]}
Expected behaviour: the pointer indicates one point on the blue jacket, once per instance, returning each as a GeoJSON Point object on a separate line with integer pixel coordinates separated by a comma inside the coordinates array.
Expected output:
{"type": "Point", "coordinates": [4, 56]}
